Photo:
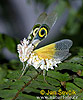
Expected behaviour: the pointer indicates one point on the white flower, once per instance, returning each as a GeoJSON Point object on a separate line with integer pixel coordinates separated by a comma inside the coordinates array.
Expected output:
{"type": "Point", "coordinates": [42, 63]}
{"type": "Point", "coordinates": [49, 64]}
{"type": "Point", "coordinates": [24, 50]}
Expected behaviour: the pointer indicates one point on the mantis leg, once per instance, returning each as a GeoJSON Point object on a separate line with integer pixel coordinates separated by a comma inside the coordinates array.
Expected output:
{"type": "Point", "coordinates": [23, 66]}
{"type": "Point", "coordinates": [24, 69]}
{"type": "Point", "coordinates": [44, 73]}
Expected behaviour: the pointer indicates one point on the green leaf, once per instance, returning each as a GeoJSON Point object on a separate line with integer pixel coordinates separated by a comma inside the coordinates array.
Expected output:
{"type": "Point", "coordinates": [7, 93]}
{"type": "Point", "coordinates": [77, 60]}
{"type": "Point", "coordinates": [3, 73]}
{"type": "Point", "coordinates": [81, 73]}
{"type": "Point", "coordinates": [42, 85]}
{"type": "Point", "coordinates": [60, 8]}
{"type": "Point", "coordinates": [15, 64]}
{"type": "Point", "coordinates": [25, 78]}
{"type": "Point", "coordinates": [59, 76]}
{"type": "Point", "coordinates": [31, 89]}
{"type": "Point", "coordinates": [14, 75]}
{"type": "Point", "coordinates": [71, 23]}
{"type": "Point", "coordinates": [1, 42]}
{"type": "Point", "coordinates": [70, 66]}
{"type": "Point", "coordinates": [4, 85]}
{"type": "Point", "coordinates": [17, 84]}
{"type": "Point", "coordinates": [79, 82]}
{"type": "Point", "coordinates": [52, 81]}
{"type": "Point", "coordinates": [49, 80]}
{"type": "Point", "coordinates": [9, 42]}
{"type": "Point", "coordinates": [71, 86]}
{"type": "Point", "coordinates": [80, 53]}
{"type": "Point", "coordinates": [31, 73]}
{"type": "Point", "coordinates": [26, 97]}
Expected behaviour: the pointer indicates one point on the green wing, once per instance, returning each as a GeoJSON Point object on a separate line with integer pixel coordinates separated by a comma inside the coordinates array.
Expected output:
{"type": "Point", "coordinates": [38, 23]}
{"type": "Point", "coordinates": [41, 18]}
{"type": "Point", "coordinates": [51, 19]}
